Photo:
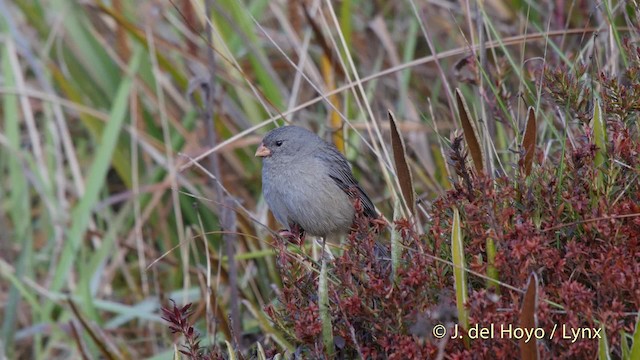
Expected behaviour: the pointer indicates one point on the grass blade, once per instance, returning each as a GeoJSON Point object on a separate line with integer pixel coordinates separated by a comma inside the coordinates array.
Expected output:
{"type": "Point", "coordinates": [19, 211]}
{"type": "Point", "coordinates": [231, 353]}
{"type": "Point", "coordinates": [624, 345]}
{"type": "Point", "coordinates": [635, 348]}
{"type": "Point", "coordinates": [323, 305]}
{"type": "Point", "coordinates": [603, 345]}
{"type": "Point", "coordinates": [600, 138]}
{"type": "Point", "coordinates": [396, 247]}
{"type": "Point", "coordinates": [96, 177]}
{"type": "Point", "coordinates": [459, 274]}
{"type": "Point", "coordinates": [492, 271]}
{"type": "Point", "coordinates": [93, 335]}
{"type": "Point", "coordinates": [266, 325]}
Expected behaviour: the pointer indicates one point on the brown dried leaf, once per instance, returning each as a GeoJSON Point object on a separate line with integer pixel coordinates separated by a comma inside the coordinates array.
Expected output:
{"type": "Point", "coordinates": [401, 164]}
{"type": "Point", "coordinates": [529, 141]}
{"type": "Point", "coordinates": [529, 350]}
{"type": "Point", "coordinates": [470, 134]}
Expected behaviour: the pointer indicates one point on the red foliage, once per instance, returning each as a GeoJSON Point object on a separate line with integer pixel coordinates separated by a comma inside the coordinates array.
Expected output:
{"type": "Point", "coordinates": [583, 242]}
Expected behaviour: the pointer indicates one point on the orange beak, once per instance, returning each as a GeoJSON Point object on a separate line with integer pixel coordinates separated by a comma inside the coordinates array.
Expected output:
{"type": "Point", "coordinates": [263, 151]}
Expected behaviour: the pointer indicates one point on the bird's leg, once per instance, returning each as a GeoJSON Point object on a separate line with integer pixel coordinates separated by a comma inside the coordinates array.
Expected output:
{"type": "Point", "coordinates": [288, 235]}
{"type": "Point", "coordinates": [326, 253]}
{"type": "Point", "coordinates": [299, 231]}
{"type": "Point", "coordinates": [294, 235]}
{"type": "Point", "coordinates": [324, 243]}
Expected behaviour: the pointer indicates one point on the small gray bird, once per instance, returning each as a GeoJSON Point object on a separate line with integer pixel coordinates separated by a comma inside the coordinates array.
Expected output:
{"type": "Point", "coordinates": [308, 183]}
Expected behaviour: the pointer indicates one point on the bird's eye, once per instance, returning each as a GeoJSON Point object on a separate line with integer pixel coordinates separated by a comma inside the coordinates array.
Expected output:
{"type": "Point", "coordinates": [279, 143]}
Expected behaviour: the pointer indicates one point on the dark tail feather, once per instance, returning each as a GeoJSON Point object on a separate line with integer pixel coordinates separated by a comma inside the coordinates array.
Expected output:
{"type": "Point", "coordinates": [367, 205]}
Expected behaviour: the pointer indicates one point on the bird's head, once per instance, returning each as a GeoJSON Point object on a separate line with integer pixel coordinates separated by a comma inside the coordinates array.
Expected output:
{"type": "Point", "coordinates": [286, 143]}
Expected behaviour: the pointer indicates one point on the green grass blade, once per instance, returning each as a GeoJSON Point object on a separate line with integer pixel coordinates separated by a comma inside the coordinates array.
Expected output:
{"type": "Point", "coordinates": [635, 348]}
{"type": "Point", "coordinates": [457, 256]}
{"type": "Point", "coordinates": [231, 353]}
{"type": "Point", "coordinates": [603, 345]}
{"type": "Point", "coordinates": [19, 210]}
{"type": "Point", "coordinates": [624, 346]}
{"type": "Point", "coordinates": [396, 247]}
{"type": "Point", "coordinates": [96, 177]}
{"type": "Point", "coordinates": [600, 138]}
{"type": "Point", "coordinates": [323, 305]}
{"type": "Point", "coordinates": [265, 325]}
{"type": "Point", "coordinates": [242, 33]}
{"type": "Point", "coordinates": [91, 54]}
{"type": "Point", "coordinates": [492, 271]}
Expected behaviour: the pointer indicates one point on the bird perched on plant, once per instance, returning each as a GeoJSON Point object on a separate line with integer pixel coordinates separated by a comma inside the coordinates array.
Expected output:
{"type": "Point", "coordinates": [308, 183]}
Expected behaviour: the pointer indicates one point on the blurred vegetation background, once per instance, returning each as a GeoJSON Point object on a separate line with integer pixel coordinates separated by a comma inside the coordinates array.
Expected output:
{"type": "Point", "coordinates": [105, 105]}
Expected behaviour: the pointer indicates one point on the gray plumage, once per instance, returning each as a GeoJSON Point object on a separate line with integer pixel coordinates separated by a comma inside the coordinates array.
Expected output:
{"type": "Point", "coordinates": [308, 182]}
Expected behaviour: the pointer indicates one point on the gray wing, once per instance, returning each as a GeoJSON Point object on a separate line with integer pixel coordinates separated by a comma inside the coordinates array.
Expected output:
{"type": "Point", "coordinates": [340, 172]}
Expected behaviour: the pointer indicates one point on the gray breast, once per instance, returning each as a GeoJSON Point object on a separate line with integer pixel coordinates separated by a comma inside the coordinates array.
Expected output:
{"type": "Point", "coordinates": [304, 194]}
